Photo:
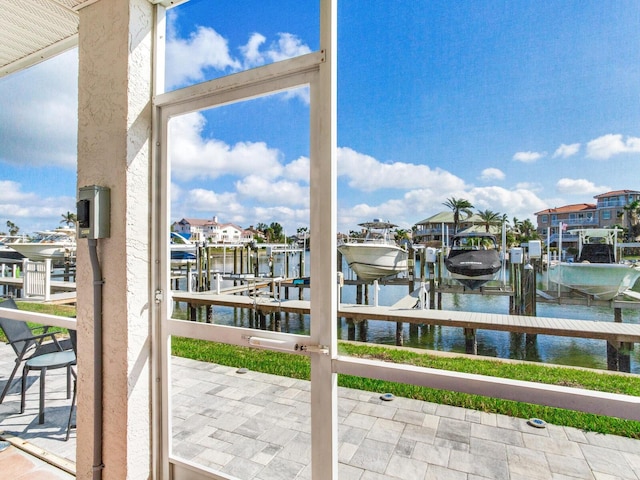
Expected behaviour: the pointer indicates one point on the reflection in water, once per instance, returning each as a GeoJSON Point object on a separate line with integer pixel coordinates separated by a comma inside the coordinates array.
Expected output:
{"type": "Point", "coordinates": [537, 348]}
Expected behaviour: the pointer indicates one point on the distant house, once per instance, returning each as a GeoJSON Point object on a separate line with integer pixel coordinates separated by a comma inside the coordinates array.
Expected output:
{"type": "Point", "coordinates": [194, 228]}
{"type": "Point", "coordinates": [211, 231]}
{"type": "Point", "coordinates": [578, 215]}
{"type": "Point", "coordinates": [607, 212]}
{"type": "Point", "coordinates": [430, 230]}
{"type": "Point", "coordinates": [611, 206]}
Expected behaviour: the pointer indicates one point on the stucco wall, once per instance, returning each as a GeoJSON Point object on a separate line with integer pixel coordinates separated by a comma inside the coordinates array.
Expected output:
{"type": "Point", "coordinates": [113, 151]}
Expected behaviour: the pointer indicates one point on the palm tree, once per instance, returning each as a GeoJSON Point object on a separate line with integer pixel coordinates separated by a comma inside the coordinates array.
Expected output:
{"type": "Point", "coordinates": [458, 205]}
{"type": "Point", "coordinates": [632, 211]}
{"type": "Point", "coordinates": [517, 225]}
{"type": "Point", "coordinates": [400, 235]}
{"type": "Point", "coordinates": [528, 231]}
{"type": "Point", "coordinates": [69, 219]}
{"type": "Point", "coordinates": [13, 228]}
{"type": "Point", "coordinates": [489, 218]}
{"type": "Point", "coordinates": [277, 232]}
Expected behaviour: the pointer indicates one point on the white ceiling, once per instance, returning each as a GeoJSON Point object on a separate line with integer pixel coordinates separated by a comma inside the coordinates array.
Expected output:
{"type": "Point", "coordinates": [33, 30]}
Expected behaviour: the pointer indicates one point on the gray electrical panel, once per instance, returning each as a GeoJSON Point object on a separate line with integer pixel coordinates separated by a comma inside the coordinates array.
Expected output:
{"type": "Point", "coordinates": [94, 210]}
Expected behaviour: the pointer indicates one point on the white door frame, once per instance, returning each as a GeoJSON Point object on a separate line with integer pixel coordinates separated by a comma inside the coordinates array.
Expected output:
{"type": "Point", "coordinates": [317, 70]}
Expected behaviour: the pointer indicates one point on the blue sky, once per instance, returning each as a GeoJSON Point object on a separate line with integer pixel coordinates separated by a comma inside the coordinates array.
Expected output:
{"type": "Point", "coordinates": [515, 106]}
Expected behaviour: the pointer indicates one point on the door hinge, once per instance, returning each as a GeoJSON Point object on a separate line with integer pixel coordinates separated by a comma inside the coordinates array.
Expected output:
{"type": "Point", "coordinates": [158, 296]}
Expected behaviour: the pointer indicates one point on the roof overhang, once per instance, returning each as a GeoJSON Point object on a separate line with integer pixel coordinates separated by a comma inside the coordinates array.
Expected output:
{"type": "Point", "coordinates": [32, 31]}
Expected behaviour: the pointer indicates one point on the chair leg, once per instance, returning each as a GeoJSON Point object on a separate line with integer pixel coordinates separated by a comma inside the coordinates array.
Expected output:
{"type": "Point", "coordinates": [8, 385]}
{"type": "Point", "coordinates": [71, 409]}
{"type": "Point", "coordinates": [25, 371]}
{"type": "Point", "coordinates": [43, 374]}
{"type": "Point", "coordinates": [68, 382]}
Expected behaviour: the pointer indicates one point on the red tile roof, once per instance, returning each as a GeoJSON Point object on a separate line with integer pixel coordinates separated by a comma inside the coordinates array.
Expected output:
{"type": "Point", "coordinates": [616, 193]}
{"type": "Point", "coordinates": [576, 207]}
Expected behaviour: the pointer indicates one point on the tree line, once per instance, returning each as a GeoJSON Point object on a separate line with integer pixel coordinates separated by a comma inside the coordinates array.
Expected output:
{"type": "Point", "coordinates": [518, 231]}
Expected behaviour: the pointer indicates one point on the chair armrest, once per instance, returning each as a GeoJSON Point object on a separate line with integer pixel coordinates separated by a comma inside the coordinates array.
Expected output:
{"type": "Point", "coordinates": [38, 339]}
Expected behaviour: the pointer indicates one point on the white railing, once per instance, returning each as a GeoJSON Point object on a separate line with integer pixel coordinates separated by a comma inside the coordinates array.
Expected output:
{"type": "Point", "coordinates": [575, 221]}
{"type": "Point", "coordinates": [39, 318]}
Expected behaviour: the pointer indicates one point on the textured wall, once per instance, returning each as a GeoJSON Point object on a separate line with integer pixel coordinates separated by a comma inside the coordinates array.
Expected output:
{"type": "Point", "coordinates": [113, 150]}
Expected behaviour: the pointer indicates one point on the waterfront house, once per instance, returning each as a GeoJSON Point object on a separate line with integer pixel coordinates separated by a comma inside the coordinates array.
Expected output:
{"type": "Point", "coordinates": [212, 231]}
{"type": "Point", "coordinates": [578, 215]}
{"type": "Point", "coordinates": [611, 207]}
{"type": "Point", "coordinates": [607, 212]}
{"type": "Point", "coordinates": [430, 230]}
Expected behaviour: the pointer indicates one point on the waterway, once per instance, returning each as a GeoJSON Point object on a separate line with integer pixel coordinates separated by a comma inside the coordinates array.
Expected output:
{"type": "Point", "coordinates": [545, 348]}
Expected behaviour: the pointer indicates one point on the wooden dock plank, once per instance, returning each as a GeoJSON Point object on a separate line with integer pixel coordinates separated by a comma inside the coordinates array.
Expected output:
{"type": "Point", "coordinates": [611, 331]}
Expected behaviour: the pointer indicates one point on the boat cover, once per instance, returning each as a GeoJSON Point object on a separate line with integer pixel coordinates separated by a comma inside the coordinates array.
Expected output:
{"type": "Point", "coordinates": [473, 263]}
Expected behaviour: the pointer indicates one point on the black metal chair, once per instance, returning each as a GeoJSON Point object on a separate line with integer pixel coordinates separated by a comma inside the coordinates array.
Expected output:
{"type": "Point", "coordinates": [25, 343]}
{"type": "Point", "coordinates": [43, 363]}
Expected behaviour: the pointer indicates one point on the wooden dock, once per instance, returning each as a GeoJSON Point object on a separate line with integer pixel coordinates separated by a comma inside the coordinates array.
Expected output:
{"type": "Point", "coordinates": [609, 331]}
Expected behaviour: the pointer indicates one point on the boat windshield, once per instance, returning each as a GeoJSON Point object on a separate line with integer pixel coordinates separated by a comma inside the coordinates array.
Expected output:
{"type": "Point", "coordinates": [475, 242]}
{"type": "Point", "coordinates": [178, 239]}
{"type": "Point", "coordinates": [56, 236]}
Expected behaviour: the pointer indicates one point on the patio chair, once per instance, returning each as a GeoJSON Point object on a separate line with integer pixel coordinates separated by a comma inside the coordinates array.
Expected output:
{"type": "Point", "coordinates": [25, 343]}
{"type": "Point", "coordinates": [43, 363]}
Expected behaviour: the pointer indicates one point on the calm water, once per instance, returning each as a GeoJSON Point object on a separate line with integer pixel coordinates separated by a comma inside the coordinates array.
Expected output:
{"type": "Point", "coordinates": [545, 348]}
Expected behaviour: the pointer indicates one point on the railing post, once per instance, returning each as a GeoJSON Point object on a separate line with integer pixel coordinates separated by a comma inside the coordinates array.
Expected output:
{"type": "Point", "coordinates": [47, 280]}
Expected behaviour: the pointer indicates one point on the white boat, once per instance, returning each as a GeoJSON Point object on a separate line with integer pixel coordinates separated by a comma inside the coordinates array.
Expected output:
{"type": "Point", "coordinates": [474, 259]}
{"type": "Point", "coordinates": [6, 252]}
{"type": "Point", "coordinates": [182, 248]}
{"type": "Point", "coordinates": [57, 245]}
{"type": "Point", "coordinates": [376, 255]}
{"type": "Point", "coordinates": [597, 271]}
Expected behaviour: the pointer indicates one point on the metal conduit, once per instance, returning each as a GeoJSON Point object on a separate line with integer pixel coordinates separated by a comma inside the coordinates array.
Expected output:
{"type": "Point", "coordinates": [98, 466]}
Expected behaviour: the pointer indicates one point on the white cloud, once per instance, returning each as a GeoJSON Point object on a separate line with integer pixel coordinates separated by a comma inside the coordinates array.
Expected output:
{"type": "Point", "coordinates": [489, 174]}
{"type": "Point", "coordinates": [210, 201]}
{"type": "Point", "coordinates": [266, 192]}
{"type": "Point", "coordinates": [394, 210]}
{"type": "Point", "coordinates": [606, 146]}
{"type": "Point", "coordinates": [580, 186]}
{"type": "Point", "coordinates": [528, 157]}
{"type": "Point", "coordinates": [10, 192]}
{"type": "Point", "coordinates": [289, 218]}
{"type": "Point", "coordinates": [566, 151]}
{"type": "Point", "coordinates": [39, 114]}
{"type": "Point", "coordinates": [251, 51]}
{"type": "Point", "coordinates": [520, 203]}
{"type": "Point", "coordinates": [301, 93]}
{"type": "Point", "coordinates": [298, 170]}
{"type": "Point", "coordinates": [286, 46]}
{"type": "Point", "coordinates": [195, 157]}
{"type": "Point", "coordinates": [187, 59]}
{"type": "Point", "coordinates": [532, 186]}
{"type": "Point", "coordinates": [40, 213]}
{"type": "Point", "coordinates": [368, 174]}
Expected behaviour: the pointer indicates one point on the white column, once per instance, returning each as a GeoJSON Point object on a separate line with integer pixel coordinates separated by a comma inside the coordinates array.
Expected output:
{"type": "Point", "coordinates": [324, 289]}
{"type": "Point", "coordinates": [114, 129]}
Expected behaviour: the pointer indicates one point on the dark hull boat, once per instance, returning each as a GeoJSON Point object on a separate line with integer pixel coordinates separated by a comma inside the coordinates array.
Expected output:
{"type": "Point", "coordinates": [474, 259]}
